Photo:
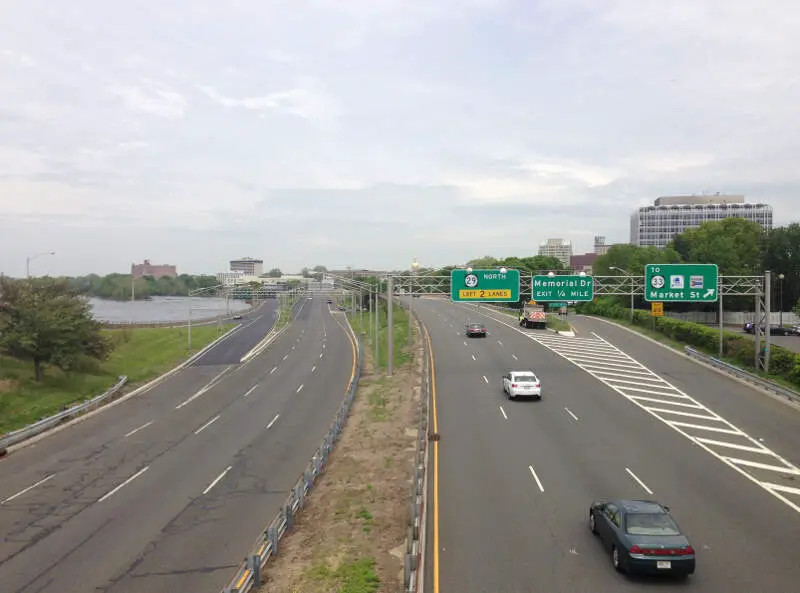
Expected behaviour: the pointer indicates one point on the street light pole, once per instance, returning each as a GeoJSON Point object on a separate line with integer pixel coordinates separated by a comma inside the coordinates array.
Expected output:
{"type": "Point", "coordinates": [780, 297]}
{"type": "Point", "coordinates": [414, 268]}
{"type": "Point", "coordinates": [30, 258]}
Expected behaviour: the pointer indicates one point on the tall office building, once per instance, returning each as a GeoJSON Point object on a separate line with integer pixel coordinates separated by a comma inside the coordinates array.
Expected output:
{"type": "Point", "coordinates": [658, 224]}
{"type": "Point", "coordinates": [248, 266]}
{"type": "Point", "coordinates": [557, 248]}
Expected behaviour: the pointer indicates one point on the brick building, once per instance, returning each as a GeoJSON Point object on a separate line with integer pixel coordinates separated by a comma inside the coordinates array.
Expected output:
{"type": "Point", "coordinates": [156, 271]}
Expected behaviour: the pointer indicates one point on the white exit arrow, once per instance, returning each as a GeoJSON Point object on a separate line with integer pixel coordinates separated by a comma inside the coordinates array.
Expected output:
{"type": "Point", "coordinates": [709, 292]}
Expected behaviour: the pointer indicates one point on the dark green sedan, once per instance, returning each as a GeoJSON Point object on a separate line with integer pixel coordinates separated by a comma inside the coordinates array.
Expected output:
{"type": "Point", "coordinates": [642, 537]}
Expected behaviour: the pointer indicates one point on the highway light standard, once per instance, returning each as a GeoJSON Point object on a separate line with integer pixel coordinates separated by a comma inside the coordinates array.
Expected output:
{"type": "Point", "coordinates": [629, 275]}
{"type": "Point", "coordinates": [414, 270]}
{"type": "Point", "coordinates": [780, 297]}
{"type": "Point", "coordinates": [30, 258]}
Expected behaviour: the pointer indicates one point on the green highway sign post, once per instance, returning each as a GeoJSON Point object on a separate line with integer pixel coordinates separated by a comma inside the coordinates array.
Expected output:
{"type": "Point", "coordinates": [484, 286]}
{"type": "Point", "coordinates": [681, 283]}
{"type": "Point", "coordinates": [562, 288]}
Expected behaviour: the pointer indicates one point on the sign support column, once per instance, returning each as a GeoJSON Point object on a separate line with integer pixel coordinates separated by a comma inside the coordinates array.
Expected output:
{"type": "Point", "coordinates": [767, 317]}
{"type": "Point", "coordinates": [390, 324]}
{"type": "Point", "coordinates": [721, 322]}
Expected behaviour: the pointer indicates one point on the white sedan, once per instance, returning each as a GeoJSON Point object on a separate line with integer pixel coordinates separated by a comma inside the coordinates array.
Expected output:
{"type": "Point", "coordinates": [522, 384]}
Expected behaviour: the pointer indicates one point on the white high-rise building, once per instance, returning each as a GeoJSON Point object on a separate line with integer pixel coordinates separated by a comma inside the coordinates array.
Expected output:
{"type": "Point", "coordinates": [658, 224]}
{"type": "Point", "coordinates": [557, 248]}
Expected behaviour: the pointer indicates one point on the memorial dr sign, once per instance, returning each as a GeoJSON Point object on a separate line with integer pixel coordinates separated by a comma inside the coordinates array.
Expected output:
{"type": "Point", "coordinates": [562, 288]}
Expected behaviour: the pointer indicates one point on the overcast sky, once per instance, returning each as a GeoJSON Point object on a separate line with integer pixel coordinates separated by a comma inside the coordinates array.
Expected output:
{"type": "Point", "coordinates": [368, 132]}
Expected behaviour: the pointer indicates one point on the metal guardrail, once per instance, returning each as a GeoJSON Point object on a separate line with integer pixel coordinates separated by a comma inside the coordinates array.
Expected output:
{"type": "Point", "coordinates": [45, 424]}
{"type": "Point", "coordinates": [266, 546]}
{"type": "Point", "coordinates": [766, 384]}
{"type": "Point", "coordinates": [415, 528]}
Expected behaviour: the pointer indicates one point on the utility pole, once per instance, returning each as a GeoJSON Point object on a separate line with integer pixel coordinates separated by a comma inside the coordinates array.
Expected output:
{"type": "Point", "coordinates": [390, 327]}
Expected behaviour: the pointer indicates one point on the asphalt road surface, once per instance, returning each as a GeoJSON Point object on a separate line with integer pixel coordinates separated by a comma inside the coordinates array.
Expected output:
{"type": "Point", "coordinates": [168, 491]}
{"type": "Point", "coordinates": [515, 478]}
{"type": "Point", "coordinates": [789, 342]}
{"type": "Point", "coordinates": [255, 325]}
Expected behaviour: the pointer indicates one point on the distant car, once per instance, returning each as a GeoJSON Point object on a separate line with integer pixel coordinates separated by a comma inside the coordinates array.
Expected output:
{"type": "Point", "coordinates": [237, 316]}
{"type": "Point", "coordinates": [522, 384]}
{"type": "Point", "coordinates": [330, 301]}
{"type": "Point", "coordinates": [774, 330]}
{"type": "Point", "coordinates": [796, 329]}
{"type": "Point", "coordinates": [642, 537]}
{"type": "Point", "coordinates": [475, 329]}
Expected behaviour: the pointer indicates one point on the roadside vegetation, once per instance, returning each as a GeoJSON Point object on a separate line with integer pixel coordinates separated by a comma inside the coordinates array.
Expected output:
{"type": "Point", "coordinates": [53, 353]}
{"type": "Point", "coordinates": [557, 323]}
{"type": "Point", "coordinates": [350, 537]}
{"type": "Point", "coordinates": [141, 354]}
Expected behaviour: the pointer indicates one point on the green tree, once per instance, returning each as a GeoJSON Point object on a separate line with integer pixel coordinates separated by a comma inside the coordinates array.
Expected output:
{"type": "Point", "coordinates": [736, 245]}
{"type": "Point", "coordinates": [782, 256]}
{"type": "Point", "coordinates": [274, 273]}
{"type": "Point", "coordinates": [46, 321]}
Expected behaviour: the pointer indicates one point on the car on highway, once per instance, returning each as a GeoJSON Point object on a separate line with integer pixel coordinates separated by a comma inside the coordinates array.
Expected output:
{"type": "Point", "coordinates": [774, 330]}
{"type": "Point", "coordinates": [522, 384]}
{"type": "Point", "coordinates": [641, 536]}
{"type": "Point", "coordinates": [237, 316]}
{"type": "Point", "coordinates": [474, 329]}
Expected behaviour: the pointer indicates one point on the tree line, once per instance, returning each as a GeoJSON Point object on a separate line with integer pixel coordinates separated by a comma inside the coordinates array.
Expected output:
{"type": "Point", "coordinates": [48, 322]}
{"type": "Point", "coordinates": [123, 287]}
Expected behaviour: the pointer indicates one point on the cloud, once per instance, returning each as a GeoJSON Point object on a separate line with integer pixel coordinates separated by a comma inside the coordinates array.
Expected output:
{"type": "Point", "coordinates": [365, 132]}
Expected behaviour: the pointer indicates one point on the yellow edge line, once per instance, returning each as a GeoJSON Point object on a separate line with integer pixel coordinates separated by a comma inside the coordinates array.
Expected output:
{"type": "Point", "coordinates": [435, 467]}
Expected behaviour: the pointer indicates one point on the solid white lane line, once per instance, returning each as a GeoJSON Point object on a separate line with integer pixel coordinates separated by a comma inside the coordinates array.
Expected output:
{"type": "Point", "coordinates": [485, 380]}
{"type": "Point", "coordinates": [503, 412]}
{"type": "Point", "coordinates": [662, 401]}
{"type": "Point", "coordinates": [514, 356]}
{"type": "Point", "coordinates": [473, 357]}
{"type": "Point", "coordinates": [273, 370]}
{"type": "Point", "coordinates": [314, 368]}
{"type": "Point", "coordinates": [702, 427]}
{"type": "Point", "coordinates": [28, 489]}
{"type": "Point", "coordinates": [686, 414]}
{"type": "Point", "coordinates": [299, 389]}
{"type": "Point", "coordinates": [208, 386]}
{"type": "Point", "coordinates": [716, 443]}
{"type": "Point", "coordinates": [216, 480]}
{"type": "Point", "coordinates": [125, 483]}
{"type": "Point", "coordinates": [135, 430]}
{"type": "Point", "coordinates": [535, 477]}
{"type": "Point", "coordinates": [780, 488]}
{"type": "Point", "coordinates": [642, 484]}
{"type": "Point", "coordinates": [251, 390]}
{"type": "Point", "coordinates": [662, 391]}
{"type": "Point", "coordinates": [285, 357]}
{"type": "Point", "coordinates": [273, 421]}
{"type": "Point", "coordinates": [570, 413]}
{"type": "Point", "coordinates": [207, 424]}
{"type": "Point", "coordinates": [773, 468]}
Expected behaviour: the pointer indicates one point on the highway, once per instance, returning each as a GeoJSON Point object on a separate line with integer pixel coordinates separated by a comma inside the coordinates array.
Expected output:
{"type": "Point", "coordinates": [513, 480]}
{"type": "Point", "coordinates": [789, 342]}
{"type": "Point", "coordinates": [168, 490]}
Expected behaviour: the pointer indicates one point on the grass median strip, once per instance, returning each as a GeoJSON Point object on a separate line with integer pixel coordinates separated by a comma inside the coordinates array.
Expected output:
{"type": "Point", "coordinates": [142, 354]}
{"type": "Point", "coordinates": [350, 537]}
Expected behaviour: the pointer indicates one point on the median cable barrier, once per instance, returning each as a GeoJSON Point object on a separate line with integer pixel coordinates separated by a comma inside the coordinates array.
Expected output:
{"type": "Point", "coordinates": [734, 371]}
{"type": "Point", "coordinates": [413, 560]}
{"type": "Point", "coordinates": [251, 570]}
{"type": "Point", "coordinates": [45, 424]}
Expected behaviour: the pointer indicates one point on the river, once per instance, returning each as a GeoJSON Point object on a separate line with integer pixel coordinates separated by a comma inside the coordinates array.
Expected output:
{"type": "Point", "coordinates": [160, 309]}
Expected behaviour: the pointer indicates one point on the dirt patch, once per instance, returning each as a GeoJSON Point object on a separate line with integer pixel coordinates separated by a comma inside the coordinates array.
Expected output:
{"type": "Point", "coordinates": [350, 537]}
{"type": "Point", "coordinates": [7, 385]}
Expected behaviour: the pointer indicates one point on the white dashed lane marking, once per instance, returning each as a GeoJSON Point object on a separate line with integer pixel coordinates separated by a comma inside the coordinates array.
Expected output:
{"type": "Point", "coordinates": [681, 412]}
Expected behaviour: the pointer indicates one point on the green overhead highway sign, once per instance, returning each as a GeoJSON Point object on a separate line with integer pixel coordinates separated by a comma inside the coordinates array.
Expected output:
{"type": "Point", "coordinates": [562, 288]}
{"type": "Point", "coordinates": [484, 286]}
{"type": "Point", "coordinates": [681, 283]}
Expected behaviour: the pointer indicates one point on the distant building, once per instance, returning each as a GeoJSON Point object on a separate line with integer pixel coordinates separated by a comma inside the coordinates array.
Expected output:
{"type": "Point", "coordinates": [557, 248]}
{"type": "Point", "coordinates": [156, 271]}
{"type": "Point", "coordinates": [658, 224]}
{"type": "Point", "coordinates": [356, 273]}
{"type": "Point", "coordinates": [600, 245]}
{"type": "Point", "coordinates": [248, 266]}
{"type": "Point", "coordinates": [230, 278]}
{"type": "Point", "coordinates": [583, 262]}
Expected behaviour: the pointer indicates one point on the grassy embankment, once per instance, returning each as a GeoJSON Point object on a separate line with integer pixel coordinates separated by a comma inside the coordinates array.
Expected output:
{"type": "Point", "coordinates": [400, 323]}
{"type": "Point", "coordinates": [141, 354]}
